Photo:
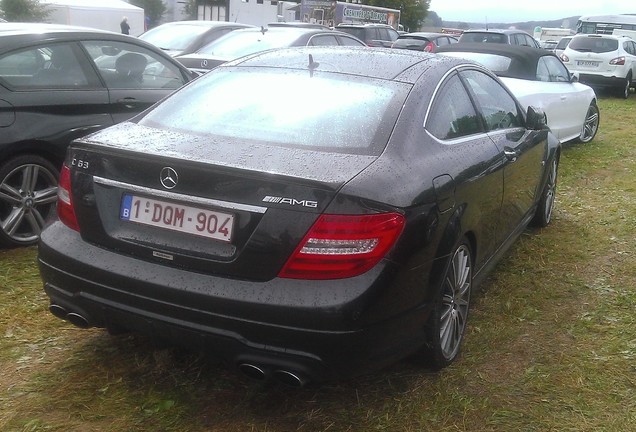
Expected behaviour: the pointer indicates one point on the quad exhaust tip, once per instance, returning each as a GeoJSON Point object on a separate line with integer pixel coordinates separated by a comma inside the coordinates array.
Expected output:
{"type": "Point", "coordinates": [261, 373]}
{"type": "Point", "coordinates": [289, 378]}
{"type": "Point", "coordinates": [72, 317]}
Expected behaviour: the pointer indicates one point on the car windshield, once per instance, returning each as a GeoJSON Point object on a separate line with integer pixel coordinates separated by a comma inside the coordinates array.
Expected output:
{"type": "Point", "coordinates": [175, 37]}
{"type": "Point", "coordinates": [593, 44]}
{"type": "Point", "coordinates": [410, 42]}
{"type": "Point", "coordinates": [483, 37]}
{"type": "Point", "coordinates": [238, 44]}
{"type": "Point", "coordinates": [318, 111]}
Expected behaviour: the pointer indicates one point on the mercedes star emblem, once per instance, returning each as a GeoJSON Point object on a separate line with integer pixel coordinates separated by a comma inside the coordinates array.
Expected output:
{"type": "Point", "coordinates": [169, 177]}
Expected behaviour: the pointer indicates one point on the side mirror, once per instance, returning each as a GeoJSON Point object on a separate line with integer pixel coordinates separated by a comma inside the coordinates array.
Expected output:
{"type": "Point", "coordinates": [574, 77]}
{"type": "Point", "coordinates": [536, 118]}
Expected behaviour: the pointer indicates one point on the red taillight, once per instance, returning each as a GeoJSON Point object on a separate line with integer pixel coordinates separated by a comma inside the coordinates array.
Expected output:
{"type": "Point", "coordinates": [342, 246]}
{"type": "Point", "coordinates": [65, 210]}
{"type": "Point", "coordinates": [430, 47]}
{"type": "Point", "coordinates": [618, 61]}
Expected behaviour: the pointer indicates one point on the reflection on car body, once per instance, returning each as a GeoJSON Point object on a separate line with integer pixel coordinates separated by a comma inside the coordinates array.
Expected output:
{"type": "Point", "coordinates": [302, 241]}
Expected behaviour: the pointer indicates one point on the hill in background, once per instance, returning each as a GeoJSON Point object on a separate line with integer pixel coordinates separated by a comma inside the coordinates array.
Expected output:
{"type": "Point", "coordinates": [433, 20]}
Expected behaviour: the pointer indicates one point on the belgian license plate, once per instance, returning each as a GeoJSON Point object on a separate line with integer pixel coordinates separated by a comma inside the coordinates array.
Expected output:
{"type": "Point", "coordinates": [177, 217]}
{"type": "Point", "coordinates": [587, 63]}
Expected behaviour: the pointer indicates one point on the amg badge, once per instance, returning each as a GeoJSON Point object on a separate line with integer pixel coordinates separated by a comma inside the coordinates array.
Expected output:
{"type": "Point", "coordinates": [290, 201]}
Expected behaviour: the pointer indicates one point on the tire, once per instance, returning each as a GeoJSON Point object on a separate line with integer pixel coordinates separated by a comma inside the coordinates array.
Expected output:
{"type": "Point", "coordinates": [543, 214]}
{"type": "Point", "coordinates": [624, 89]}
{"type": "Point", "coordinates": [447, 322]}
{"type": "Point", "coordinates": [590, 126]}
{"type": "Point", "coordinates": [28, 195]}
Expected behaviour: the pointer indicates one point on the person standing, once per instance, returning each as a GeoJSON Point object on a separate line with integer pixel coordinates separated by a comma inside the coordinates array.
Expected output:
{"type": "Point", "coordinates": [125, 27]}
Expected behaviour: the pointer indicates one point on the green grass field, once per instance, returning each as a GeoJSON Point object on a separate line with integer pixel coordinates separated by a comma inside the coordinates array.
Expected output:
{"type": "Point", "coordinates": [551, 344]}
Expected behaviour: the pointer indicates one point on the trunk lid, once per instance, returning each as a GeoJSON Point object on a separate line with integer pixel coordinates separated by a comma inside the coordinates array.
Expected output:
{"type": "Point", "coordinates": [233, 209]}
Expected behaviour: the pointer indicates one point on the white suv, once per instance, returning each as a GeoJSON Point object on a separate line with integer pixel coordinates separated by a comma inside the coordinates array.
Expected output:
{"type": "Point", "coordinates": [602, 61]}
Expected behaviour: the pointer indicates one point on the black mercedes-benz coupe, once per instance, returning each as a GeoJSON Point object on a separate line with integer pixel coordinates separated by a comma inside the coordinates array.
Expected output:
{"type": "Point", "coordinates": [306, 214]}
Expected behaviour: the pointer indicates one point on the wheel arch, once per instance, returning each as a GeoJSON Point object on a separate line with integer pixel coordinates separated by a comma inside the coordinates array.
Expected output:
{"type": "Point", "coordinates": [454, 231]}
{"type": "Point", "coordinates": [34, 147]}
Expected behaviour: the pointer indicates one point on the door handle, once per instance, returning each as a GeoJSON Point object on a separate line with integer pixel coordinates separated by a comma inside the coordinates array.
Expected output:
{"type": "Point", "coordinates": [128, 102]}
{"type": "Point", "coordinates": [511, 154]}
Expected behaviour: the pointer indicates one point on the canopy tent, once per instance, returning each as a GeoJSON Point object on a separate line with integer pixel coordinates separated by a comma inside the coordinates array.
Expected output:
{"type": "Point", "coordinates": [103, 14]}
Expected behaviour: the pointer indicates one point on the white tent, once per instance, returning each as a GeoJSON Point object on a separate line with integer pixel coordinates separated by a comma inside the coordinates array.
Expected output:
{"type": "Point", "coordinates": [101, 14]}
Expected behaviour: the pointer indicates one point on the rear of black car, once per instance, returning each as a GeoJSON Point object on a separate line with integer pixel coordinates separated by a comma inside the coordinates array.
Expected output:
{"type": "Point", "coordinates": [223, 229]}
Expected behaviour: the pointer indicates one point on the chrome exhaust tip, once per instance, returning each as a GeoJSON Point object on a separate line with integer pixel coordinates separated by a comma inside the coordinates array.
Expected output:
{"type": "Point", "coordinates": [77, 320]}
{"type": "Point", "coordinates": [289, 378]}
{"type": "Point", "coordinates": [252, 371]}
{"type": "Point", "coordinates": [58, 311]}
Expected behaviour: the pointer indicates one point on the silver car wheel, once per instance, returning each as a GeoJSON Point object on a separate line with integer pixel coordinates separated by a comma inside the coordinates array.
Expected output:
{"type": "Point", "coordinates": [550, 192]}
{"type": "Point", "coordinates": [28, 193]}
{"type": "Point", "coordinates": [455, 302]}
{"type": "Point", "coordinates": [590, 127]}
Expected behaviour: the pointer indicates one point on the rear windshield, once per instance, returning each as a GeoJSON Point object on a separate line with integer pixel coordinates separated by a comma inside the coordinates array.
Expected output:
{"type": "Point", "coordinates": [240, 43]}
{"type": "Point", "coordinates": [355, 31]}
{"type": "Point", "coordinates": [563, 43]}
{"type": "Point", "coordinates": [593, 44]}
{"type": "Point", "coordinates": [317, 111]}
{"type": "Point", "coordinates": [483, 37]}
{"type": "Point", "coordinates": [175, 37]}
{"type": "Point", "coordinates": [496, 63]}
{"type": "Point", "coordinates": [411, 43]}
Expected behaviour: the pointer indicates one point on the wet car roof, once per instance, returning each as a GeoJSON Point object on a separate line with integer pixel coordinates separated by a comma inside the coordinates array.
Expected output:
{"type": "Point", "coordinates": [382, 63]}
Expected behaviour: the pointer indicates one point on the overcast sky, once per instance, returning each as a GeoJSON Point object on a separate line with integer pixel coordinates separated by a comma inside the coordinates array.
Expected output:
{"type": "Point", "coordinates": [482, 11]}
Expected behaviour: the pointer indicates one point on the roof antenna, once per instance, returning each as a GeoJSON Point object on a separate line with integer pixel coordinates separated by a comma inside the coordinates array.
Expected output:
{"type": "Point", "coordinates": [312, 65]}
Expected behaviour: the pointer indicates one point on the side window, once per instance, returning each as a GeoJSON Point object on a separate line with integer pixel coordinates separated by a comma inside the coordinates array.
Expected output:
{"type": "Point", "coordinates": [452, 114]}
{"type": "Point", "coordinates": [441, 41]}
{"type": "Point", "coordinates": [54, 66]}
{"type": "Point", "coordinates": [393, 35]}
{"type": "Point", "coordinates": [555, 70]}
{"type": "Point", "coordinates": [124, 65]}
{"type": "Point", "coordinates": [383, 34]}
{"type": "Point", "coordinates": [497, 107]}
{"type": "Point", "coordinates": [323, 40]}
{"type": "Point", "coordinates": [349, 41]}
{"type": "Point", "coordinates": [543, 74]}
{"type": "Point", "coordinates": [529, 41]}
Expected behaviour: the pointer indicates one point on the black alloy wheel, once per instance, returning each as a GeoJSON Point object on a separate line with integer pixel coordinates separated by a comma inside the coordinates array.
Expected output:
{"type": "Point", "coordinates": [28, 194]}
{"type": "Point", "coordinates": [625, 88]}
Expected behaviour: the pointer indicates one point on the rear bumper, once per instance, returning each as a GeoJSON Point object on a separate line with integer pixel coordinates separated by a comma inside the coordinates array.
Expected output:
{"type": "Point", "coordinates": [316, 329]}
{"type": "Point", "coordinates": [604, 81]}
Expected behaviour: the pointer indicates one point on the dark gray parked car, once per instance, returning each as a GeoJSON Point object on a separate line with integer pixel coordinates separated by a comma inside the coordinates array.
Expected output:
{"type": "Point", "coordinates": [58, 83]}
